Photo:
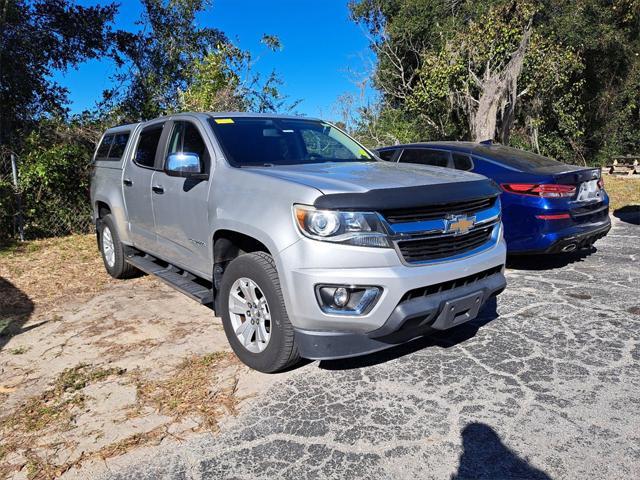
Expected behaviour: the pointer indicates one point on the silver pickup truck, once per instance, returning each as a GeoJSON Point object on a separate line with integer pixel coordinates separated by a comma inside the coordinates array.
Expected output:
{"type": "Point", "coordinates": [301, 239]}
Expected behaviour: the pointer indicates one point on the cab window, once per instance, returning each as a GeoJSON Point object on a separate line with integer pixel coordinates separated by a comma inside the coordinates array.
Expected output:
{"type": "Point", "coordinates": [105, 145]}
{"type": "Point", "coordinates": [118, 145]}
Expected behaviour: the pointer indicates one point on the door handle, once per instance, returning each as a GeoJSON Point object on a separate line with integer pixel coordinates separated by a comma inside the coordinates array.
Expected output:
{"type": "Point", "coordinates": [127, 182]}
{"type": "Point", "coordinates": [158, 189]}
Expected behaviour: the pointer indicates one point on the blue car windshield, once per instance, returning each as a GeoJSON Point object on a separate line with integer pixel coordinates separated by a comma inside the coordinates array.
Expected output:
{"type": "Point", "coordinates": [248, 141]}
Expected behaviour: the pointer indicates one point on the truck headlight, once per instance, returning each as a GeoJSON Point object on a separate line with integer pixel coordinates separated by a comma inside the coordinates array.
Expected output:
{"type": "Point", "coordinates": [363, 229]}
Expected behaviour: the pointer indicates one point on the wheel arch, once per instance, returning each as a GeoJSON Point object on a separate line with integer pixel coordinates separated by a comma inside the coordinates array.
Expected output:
{"type": "Point", "coordinates": [228, 244]}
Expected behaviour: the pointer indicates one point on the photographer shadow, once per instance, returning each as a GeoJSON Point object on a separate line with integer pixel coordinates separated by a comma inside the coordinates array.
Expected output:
{"type": "Point", "coordinates": [15, 310]}
{"type": "Point", "coordinates": [485, 456]}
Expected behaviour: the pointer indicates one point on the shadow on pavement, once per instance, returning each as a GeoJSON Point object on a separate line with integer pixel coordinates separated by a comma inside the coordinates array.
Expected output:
{"type": "Point", "coordinates": [440, 338]}
{"type": "Point", "coordinates": [15, 310]}
{"type": "Point", "coordinates": [548, 261]}
{"type": "Point", "coordinates": [629, 214]}
{"type": "Point", "coordinates": [485, 456]}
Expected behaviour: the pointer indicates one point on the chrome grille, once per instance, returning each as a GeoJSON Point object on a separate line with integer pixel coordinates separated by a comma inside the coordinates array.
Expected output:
{"type": "Point", "coordinates": [438, 211]}
{"type": "Point", "coordinates": [442, 246]}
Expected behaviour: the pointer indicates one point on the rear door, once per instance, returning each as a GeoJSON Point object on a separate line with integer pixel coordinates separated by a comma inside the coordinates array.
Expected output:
{"type": "Point", "coordinates": [136, 185]}
{"type": "Point", "coordinates": [181, 204]}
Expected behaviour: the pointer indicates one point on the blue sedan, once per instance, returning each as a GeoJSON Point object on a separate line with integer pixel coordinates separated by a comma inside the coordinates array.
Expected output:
{"type": "Point", "coordinates": [547, 206]}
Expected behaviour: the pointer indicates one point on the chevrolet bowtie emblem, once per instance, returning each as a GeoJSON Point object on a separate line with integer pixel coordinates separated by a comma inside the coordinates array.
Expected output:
{"type": "Point", "coordinates": [458, 224]}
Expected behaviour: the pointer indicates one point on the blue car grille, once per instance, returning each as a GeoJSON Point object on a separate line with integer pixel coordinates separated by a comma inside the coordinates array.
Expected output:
{"type": "Point", "coordinates": [443, 246]}
{"type": "Point", "coordinates": [431, 212]}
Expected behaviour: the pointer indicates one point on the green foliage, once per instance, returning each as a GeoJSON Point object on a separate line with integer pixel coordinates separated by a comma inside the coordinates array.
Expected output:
{"type": "Point", "coordinates": [214, 83]}
{"type": "Point", "coordinates": [223, 80]}
{"type": "Point", "coordinates": [157, 60]}
{"type": "Point", "coordinates": [170, 64]}
{"type": "Point", "coordinates": [38, 37]}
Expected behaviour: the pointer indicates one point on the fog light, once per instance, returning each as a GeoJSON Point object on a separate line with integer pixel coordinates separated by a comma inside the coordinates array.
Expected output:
{"type": "Point", "coordinates": [347, 300]}
{"type": "Point", "coordinates": [341, 297]}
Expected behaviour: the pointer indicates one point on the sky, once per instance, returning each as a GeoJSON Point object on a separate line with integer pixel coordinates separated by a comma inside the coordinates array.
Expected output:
{"type": "Point", "coordinates": [321, 44]}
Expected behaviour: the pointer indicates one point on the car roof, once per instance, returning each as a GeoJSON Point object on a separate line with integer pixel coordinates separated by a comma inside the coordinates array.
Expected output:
{"type": "Point", "coordinates": [512, 158]}
{"type": "Point", "coordinates": [205, 115]}
{"type": "Point", "coordinates": [458, 146]}
{"type": "Point", "coordinates": [257, 115]}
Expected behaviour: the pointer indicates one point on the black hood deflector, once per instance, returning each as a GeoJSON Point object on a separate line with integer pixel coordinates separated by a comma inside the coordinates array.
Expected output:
{"type": "Point", "coordinates": [410, 197]}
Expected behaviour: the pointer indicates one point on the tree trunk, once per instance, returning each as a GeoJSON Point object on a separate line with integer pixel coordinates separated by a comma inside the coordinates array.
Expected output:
{"type": "Point", "coordinates": [496, 88]}
{"type": "Point", "coordinates": [485, 117]}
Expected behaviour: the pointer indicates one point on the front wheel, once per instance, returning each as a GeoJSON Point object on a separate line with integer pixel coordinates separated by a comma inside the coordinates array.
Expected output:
{"type": "Point", "coordinates": [112, 250]}
{"type": "Point", "coordinates": [254, 315]}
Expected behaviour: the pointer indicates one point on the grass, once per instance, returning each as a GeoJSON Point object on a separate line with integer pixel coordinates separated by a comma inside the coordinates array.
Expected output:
{"type": "Point", "coordinates": [19, 350]}
{"type": "Point", "coordinates": [47, 274]}
{"type": "Point", "coordinates": [52, 410]}
{"type": "Point", "coordinates": [194, 391]}
{"type": "Point", "coordinates": [623, 191]}
{"type": "Point", "coordinates": [189, 392]}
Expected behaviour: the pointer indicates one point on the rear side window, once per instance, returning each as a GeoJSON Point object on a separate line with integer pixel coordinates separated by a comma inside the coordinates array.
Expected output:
{"type": "Point", "coordinates": [386, 154]}
{"type": "Point", "coordinates": [425, 157]}
{"type": "Point", "coordinates": [462, 162]}
{"type": "Point", "coordinates": [148, 146]}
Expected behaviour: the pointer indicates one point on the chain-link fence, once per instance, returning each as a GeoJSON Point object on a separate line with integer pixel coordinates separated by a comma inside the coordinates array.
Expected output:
{"type": "Point", "coordinates": [34, 210]}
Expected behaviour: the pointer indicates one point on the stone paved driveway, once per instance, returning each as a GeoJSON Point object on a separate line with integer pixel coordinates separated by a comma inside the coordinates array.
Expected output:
{"type": "Point", "coordinates": [544, 385]}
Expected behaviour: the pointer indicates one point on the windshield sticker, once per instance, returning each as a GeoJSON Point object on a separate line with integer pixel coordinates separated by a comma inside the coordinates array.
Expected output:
{"type": "Point", "coordinates": [223, 120]}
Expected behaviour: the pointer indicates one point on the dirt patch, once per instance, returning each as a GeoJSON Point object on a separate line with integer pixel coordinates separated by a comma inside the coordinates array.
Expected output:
{"type": "Point", "coordinates": [92, 368]}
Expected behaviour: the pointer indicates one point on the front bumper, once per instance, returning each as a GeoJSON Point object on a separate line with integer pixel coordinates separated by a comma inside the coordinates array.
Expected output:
{"type": "Point", "coordinates": [309, 263]}
{"type": "Point", "coordinates": [410, 319]}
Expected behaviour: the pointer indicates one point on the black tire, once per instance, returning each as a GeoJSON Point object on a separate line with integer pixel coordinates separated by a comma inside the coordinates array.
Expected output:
{"type": "Point", "coordinates": [120, 268]}
{"type": "Point", "coordinates": [281, 351]}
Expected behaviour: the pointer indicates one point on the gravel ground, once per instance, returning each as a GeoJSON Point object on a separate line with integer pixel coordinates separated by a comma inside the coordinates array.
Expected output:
{"type": "Point", "coordinates": [545, 384]}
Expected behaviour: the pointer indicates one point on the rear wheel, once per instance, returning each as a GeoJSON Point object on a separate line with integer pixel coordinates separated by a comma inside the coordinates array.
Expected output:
{"type": "Point", "coordinates": [112, 250]}
{"type": "Point", "coordinates": [254, 315]}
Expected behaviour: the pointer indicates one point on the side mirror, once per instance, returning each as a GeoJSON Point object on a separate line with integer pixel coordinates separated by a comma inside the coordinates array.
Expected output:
{"type": "Point", "coordinates": [185, 164]}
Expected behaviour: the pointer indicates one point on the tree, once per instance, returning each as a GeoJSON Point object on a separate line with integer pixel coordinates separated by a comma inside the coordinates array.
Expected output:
{"type": "Point", "coordinates": [36, 38]}
{"type": "Point", "coordinates": [226, 80]}
{"type": "Point", "coordinates": [156, 62]}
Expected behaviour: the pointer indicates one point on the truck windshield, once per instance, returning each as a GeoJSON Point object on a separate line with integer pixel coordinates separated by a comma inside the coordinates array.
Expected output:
{"type": "Point", "coordinates": [273, 141]}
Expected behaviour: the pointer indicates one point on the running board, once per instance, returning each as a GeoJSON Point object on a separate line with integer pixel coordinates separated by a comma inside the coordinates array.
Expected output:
{"type": "Point", "coordinates": [175, 277]}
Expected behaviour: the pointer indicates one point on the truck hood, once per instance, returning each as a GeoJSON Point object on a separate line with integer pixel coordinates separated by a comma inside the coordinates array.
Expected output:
{"type": "Point", "coordinates": [359, 177]}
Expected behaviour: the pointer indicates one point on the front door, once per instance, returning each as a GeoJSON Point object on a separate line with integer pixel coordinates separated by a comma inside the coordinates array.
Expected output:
{"type": "Point", "coordinates": [137, 181]}
{"type": "Point", "coordinates": [181, 204]}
